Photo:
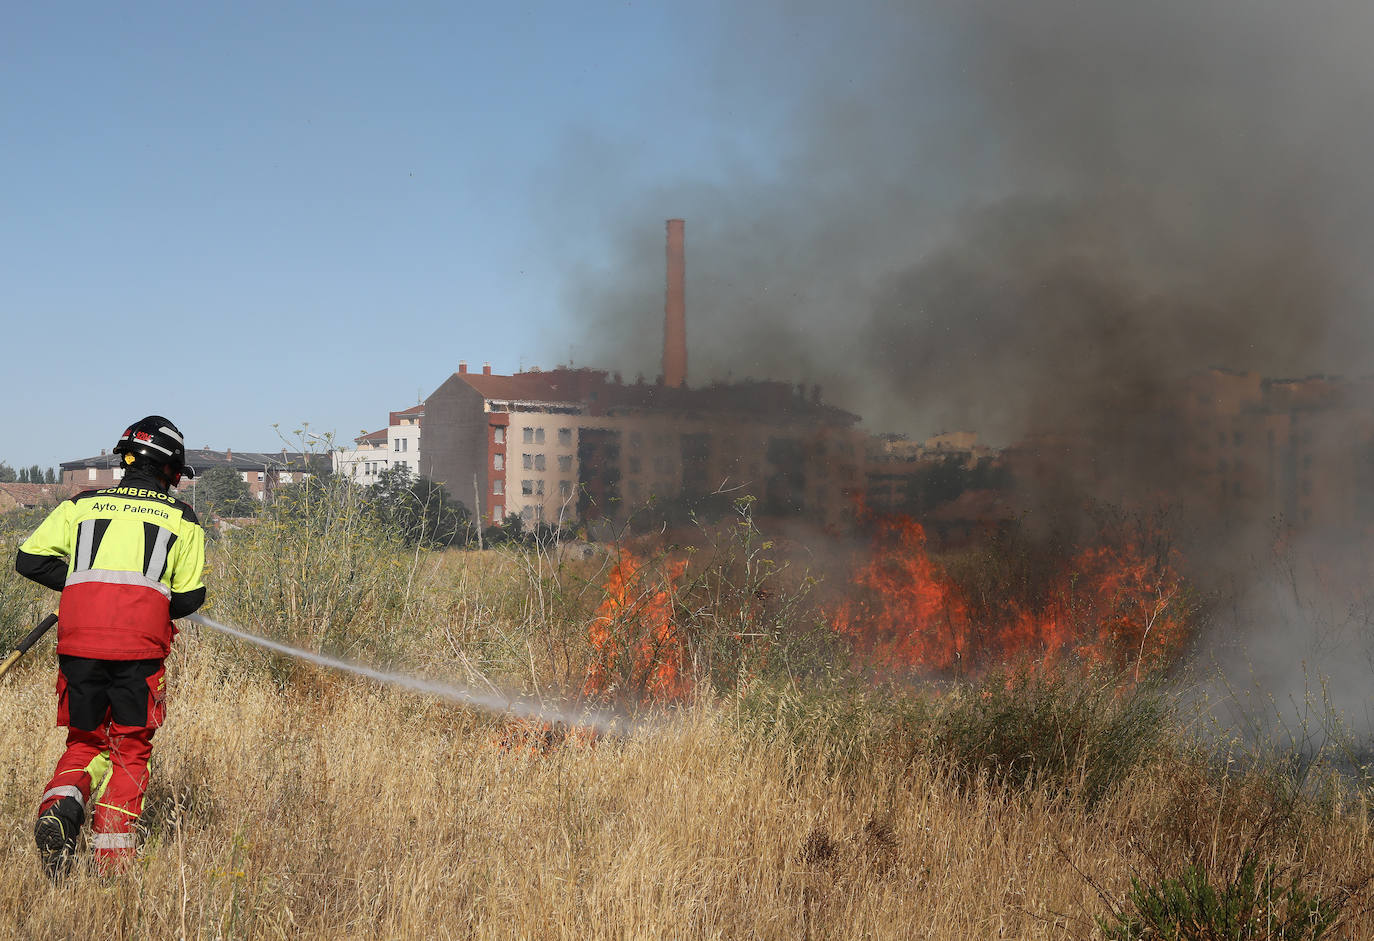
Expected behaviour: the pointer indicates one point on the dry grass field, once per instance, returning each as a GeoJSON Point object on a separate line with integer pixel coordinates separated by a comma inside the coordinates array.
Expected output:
{"type": "Point", "coordinates": [290, 801]}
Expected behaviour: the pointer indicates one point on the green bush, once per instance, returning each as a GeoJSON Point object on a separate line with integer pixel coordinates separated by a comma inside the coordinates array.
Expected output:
{"type": "Point", "coordinates": [1075, 735]}
{"type": "Point", "coordinates": [316, 570]}
{"type": "Point", "coordinates": [1249, 905]}
{"type": "Point", "coordinates": [835, 727]}
{"type": "Point", "coordinates": [22, 603]}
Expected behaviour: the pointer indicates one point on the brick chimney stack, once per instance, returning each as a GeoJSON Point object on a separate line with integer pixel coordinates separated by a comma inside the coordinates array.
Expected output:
{"type": "Point", "coordinates": [675, 309]}
{"type": "Point", "coordinates": [462, 366]}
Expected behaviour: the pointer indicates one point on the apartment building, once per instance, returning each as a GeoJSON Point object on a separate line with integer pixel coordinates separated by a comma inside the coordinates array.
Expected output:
{"type": "Point", "coordinates": [396, 445]}
{"type": "Point", "coordinates": [1297, 449]}
{"type": "Point", "coordinates": [569, 445]}
{"type": "Point", "coordinates": [368, 457]}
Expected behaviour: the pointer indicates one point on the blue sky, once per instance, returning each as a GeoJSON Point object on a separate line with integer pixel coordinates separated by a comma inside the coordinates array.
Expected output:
{"type": "Point", "coordinates": [951, 215]}
{"type": "Point", "coordinates": [261, 213]}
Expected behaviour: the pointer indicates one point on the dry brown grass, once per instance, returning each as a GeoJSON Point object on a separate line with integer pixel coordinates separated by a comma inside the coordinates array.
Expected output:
{"type": "Point", "coordinates": [305, 804]}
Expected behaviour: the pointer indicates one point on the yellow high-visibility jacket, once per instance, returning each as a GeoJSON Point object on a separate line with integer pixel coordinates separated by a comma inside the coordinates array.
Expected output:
{"type": "Point", "coordinates": [127, 560]}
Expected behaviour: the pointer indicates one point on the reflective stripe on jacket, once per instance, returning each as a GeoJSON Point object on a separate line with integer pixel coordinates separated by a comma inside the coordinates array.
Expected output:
{"type": "Point", "coordinates": [129, 549]}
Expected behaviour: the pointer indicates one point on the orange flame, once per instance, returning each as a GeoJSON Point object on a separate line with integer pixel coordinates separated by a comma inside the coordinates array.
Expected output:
{"type": "Point", "coordinates": [636, 642]}
{"type": "Point", "coordinates": [905, 615]}
{"type": "Point", "coordinates": [1113, 605]}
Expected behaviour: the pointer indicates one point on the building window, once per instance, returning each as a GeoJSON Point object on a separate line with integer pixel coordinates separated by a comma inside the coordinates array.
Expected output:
{"type": "Point", "coordinates": [286, 477]}
{"type": "Point", "coordinates": [539, 462]}
{"type": "Point", "coordinates": [565, 488]}
{"type": "Point", "coordinates": [244, 475]}
{"type": "Point", "coordinates": [529, 436]}
{"type": "Point", "coordinates": [498, 512]}
{"type": "Point", "coordinates": [119, 473]}
{"type": "Point", "coordinates": [498, 462]}
{"type": "Point", "coordinates": [261, 476]}
{"type": "Point", "coordinates": [498, 434]}
{"type": "Point", "coordinates": [565, 437]}
{"type": "Point", "coordinates": [539, 488]}
{"type": "Point", "coordinates": [527, 488]}
{"type": "Point", "coordinates": [527, 514]}
{"type": "Point", "coordinates": [539, 436]}
{"type": "Point", "coordinates": [565, 463]}
{"type": "Point", "coordinates": [498, 486]}
{"type": "Point", "coordinates": [90, 474]}
{"type": "Point", "coordinates": [527, 461]}
{"type": "Point", "coordinates": [539, 513]}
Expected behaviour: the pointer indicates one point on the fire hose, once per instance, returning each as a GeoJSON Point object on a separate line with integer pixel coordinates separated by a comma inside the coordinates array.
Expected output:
{"type": "Point", "coordinates": [492, 699]}
{"type": "Point", "coordinates": [23, 646]}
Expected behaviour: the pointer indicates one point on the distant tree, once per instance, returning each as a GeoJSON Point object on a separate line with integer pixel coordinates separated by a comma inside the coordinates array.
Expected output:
{"type": "Point", "coordinates": [511, 531]}
{"type": "Point", "coordinates": [50, 476]}
{"type": "Point", "coordinates": [35, 474]}
{"type": "Point", "coordinates": [421, 511]}
{"type": "Point", "coordinates": [7, 475]}
{"type": "Point", "coordinates": [222, 491]}
{"type": "Point", "coordinates": [938, 482]}
{"type": "Point", "coordinates": [23, 476]}
{"type": "Point", "coordinates": [323, 503]}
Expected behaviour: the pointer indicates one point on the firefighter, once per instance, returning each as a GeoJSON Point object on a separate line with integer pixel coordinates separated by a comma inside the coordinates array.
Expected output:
{"type": "Point", "coordinates": [127, 559]}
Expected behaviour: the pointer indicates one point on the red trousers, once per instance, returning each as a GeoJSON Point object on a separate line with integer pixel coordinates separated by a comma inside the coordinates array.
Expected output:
{"type": "Point", "coordinates": [112, 762]}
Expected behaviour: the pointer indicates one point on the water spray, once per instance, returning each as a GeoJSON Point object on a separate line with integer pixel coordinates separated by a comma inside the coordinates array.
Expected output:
{"type": "Point", "coordinates": [495, 701]}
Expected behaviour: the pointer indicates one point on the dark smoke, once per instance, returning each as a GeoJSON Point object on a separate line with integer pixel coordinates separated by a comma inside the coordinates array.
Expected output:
{"type": "Point", "coordinates": [1015, 217]}
{"type": "Point", "coordinates": [998, 215]}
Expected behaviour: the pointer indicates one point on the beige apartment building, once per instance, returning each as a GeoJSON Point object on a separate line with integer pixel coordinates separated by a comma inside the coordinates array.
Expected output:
{"type": "Point", "coordinates": [576, 445]}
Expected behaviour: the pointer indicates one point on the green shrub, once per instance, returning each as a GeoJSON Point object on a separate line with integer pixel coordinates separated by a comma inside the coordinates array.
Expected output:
{"type": "Point", "coordinates": [1249, 905]}
{"type": "Point", "coordinates": [22, 603]}
{"type": "Point", "coordinates": [315, 570]}
{"type": "Point", "coordinates": [838, 726]}
{"type": "Point", "coordinates": [1075, 735]}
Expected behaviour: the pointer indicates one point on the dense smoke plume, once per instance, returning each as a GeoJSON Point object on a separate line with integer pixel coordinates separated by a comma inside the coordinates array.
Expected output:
{"type": "Point", "coordinates": [1013, 217]}
{"type": "Point", "coordinates": [999, 215]}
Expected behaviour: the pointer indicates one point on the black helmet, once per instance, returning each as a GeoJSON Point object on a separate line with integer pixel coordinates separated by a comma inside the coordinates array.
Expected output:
{"type": "Point", "coordinates": [157, 439]}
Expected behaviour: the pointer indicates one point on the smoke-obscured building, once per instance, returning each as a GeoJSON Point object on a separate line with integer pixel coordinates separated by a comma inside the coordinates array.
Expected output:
{"type": "Point", "coordinates": [1229, 449]}
{"type": "Point", "coordinates": [576, 445]}
{"type": "Point", "coordinates": [1300, 450]}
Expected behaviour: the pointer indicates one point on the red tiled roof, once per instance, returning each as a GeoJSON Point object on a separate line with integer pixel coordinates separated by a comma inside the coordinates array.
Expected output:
{"type": "Point", "coordinates": [592, 389]}
{"type": "Point", "coordinates": [372, 437]}
{"type": "Point", "coordinates": [40, 494]}
{"type": "Point", "coordinates": [415, 411]}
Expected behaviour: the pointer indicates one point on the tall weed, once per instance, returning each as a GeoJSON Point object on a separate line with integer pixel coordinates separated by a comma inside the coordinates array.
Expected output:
{"type": "Point", "coordinates": [1075, 734]}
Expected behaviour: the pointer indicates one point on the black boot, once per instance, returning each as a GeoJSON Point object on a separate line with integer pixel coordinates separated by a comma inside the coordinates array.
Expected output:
{"type": "Point", "coordinates": [55, 833]}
